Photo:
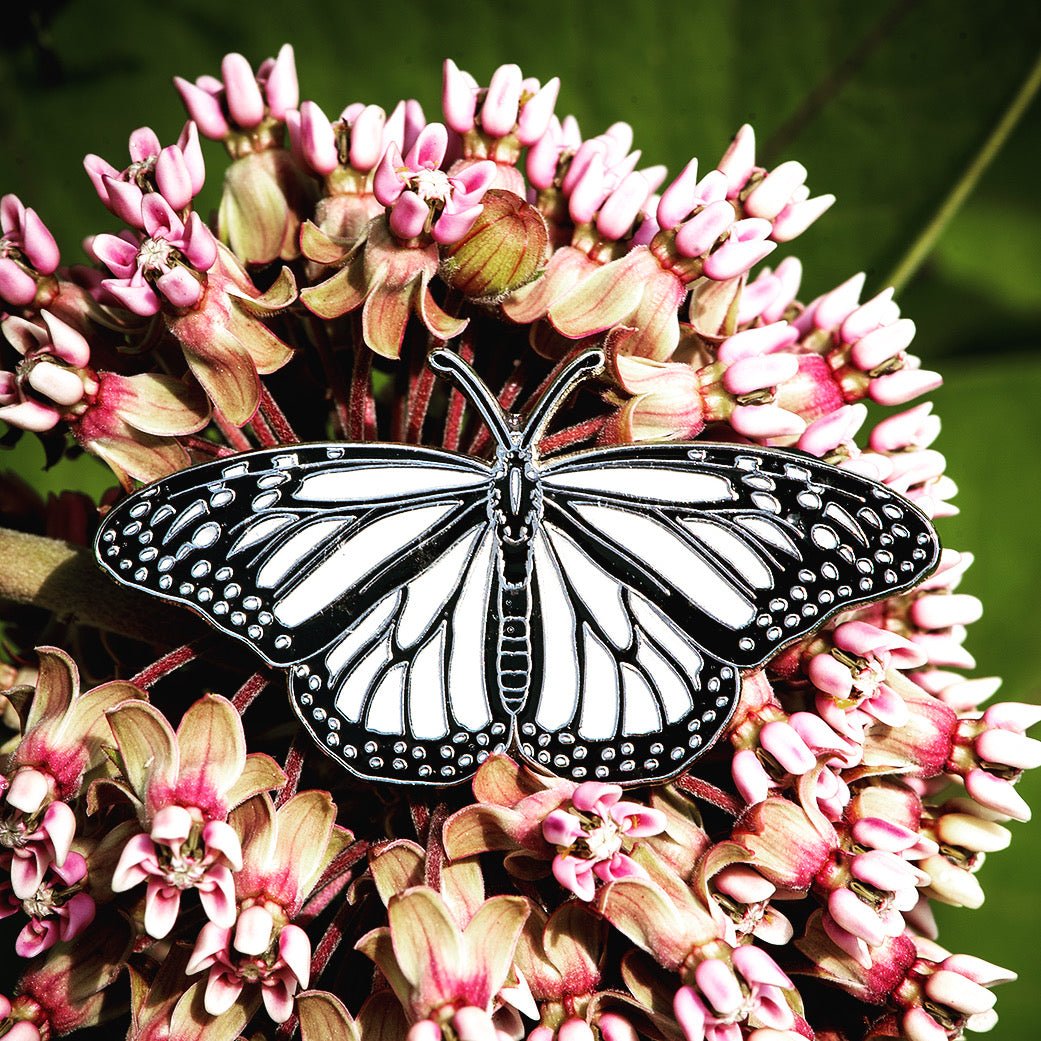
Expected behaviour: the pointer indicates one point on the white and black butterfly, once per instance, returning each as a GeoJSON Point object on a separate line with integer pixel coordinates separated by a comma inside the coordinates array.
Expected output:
{"type": "Point", "coordinates": [594, 612]}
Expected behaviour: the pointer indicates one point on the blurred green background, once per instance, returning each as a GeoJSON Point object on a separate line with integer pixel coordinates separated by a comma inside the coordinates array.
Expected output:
{"type": "Point", "coordinates": [889, 105]}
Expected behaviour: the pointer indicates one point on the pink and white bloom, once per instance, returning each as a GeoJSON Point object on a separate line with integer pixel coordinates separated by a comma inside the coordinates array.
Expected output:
{"type": "Point", "coordinates": [724, 1000]}
{"type": "Point", "coordinates": [240, 100]}
{"type": "Point", "coordinates": [181, 852]}
{"type": "Point", "coordinates": [52, 379]}
{"type": "Point", "coordinates": [61, 746]}
{"type": "Point", "coordinates": [58, 909]}
{"type": "Point", "coordinates": [779, 195]}
{"type": "Point", "coordinates": [424, 200]}
{"type": "Point", "coordinates": [184, 784]}
{"type": "Point", "coordinates": [255, 951]}
{"type": "Point", "coordinates": [593, 836]}
{"type": "Point", "coordinates": [437, 968]}
{"type": "Point", "coordinates": [510, 105]}
{"type": "Point", "coordinates": [38, 832]}
{"type": "Point", "coordinates": [165, 265]}
{"type": "Point", "coordinates": [176, 172]}
{"type": "Point", "coordinates": [851, 677]}
{"type": "Point", "coordinates": [28, 252]}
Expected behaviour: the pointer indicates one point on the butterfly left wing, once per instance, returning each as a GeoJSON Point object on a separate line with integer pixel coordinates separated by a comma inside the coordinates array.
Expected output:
{"type": "Point", "coordinates": [285, 548]}
{"type": "Point", "coordinates": [662, 571]}
{"type": "Point", "coordinates": [405, 693]}
{"type": "Point", "coordinates": [367, 568]}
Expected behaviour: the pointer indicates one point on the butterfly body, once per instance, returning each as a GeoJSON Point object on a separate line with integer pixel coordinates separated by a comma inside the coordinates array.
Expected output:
{"type": "Point", "coordinates": [515, 510]}
{"type": "Point", "coordinates": [592, 612]}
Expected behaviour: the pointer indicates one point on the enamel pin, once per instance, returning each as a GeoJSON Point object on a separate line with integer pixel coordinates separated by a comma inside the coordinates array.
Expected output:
{"type": "Point", "coordinates": [594, 613]}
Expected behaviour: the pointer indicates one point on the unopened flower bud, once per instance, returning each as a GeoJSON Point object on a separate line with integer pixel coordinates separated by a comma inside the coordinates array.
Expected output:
{"type": "Point", "coordinates": [506, 248]}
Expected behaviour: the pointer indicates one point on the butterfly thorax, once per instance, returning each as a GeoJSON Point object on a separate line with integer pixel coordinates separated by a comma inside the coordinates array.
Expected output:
{"type": "Point", "coordinates": [515, 502]}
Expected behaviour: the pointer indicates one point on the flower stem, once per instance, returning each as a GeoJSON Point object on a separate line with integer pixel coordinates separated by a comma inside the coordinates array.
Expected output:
{"type": "Point", "coordinates": [293, 765]}
{"type": "Point", "coordinates": [248, 692]}
{"type": "Point", "coordinates": [65, 580]}
{"type": "Point", "coordinates": [276, 418]}
{"type": "Point", "coordinates": [358, 403]}
{"type": "Point", "coordinates": [456, 405]}
{"type": "Point", "coordinates": [235, 437]}
{"type": "Point", "coordinates": [152, 674]}
{"type": "Point", "coordinates": [263, 433]}
{"type": "Point", "coordinates": [333, 375]}
{"type": "Point", "coordinates": [572, 435]}
{"type": "Point", "coordinates": [701, 789]}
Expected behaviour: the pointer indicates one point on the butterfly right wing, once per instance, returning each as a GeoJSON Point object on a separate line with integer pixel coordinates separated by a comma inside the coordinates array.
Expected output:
{"type": "Point", "coordinates": [620, 691]}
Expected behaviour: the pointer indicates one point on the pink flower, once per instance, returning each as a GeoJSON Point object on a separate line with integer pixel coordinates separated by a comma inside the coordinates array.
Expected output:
{"type": "Point", "coordinates": [510, 104]}
{"type": "Point", "coordinates": [867, 889]}
{"type": "Point", "coordinates": [51, 380]}
{"type": "Point", "coordinates": [38, 832]}
{"type": "Point", "coordinates": [165, 265]}
{"type": "Point", "coordinates": [851, 677]}
{"type": "Point", "coordinates": [60, 743]}
{"type": "Point", "coordinates": [257, 951]}
{"type": "Point", "coordinates": [58, 909]}
{"type": "Point", "coordinates": [181, 852]}
{"type": "Point", "coordinates": [779, 195]}
{"type": "Point", "coordinates": [240, 100]}
{"type": "Point", "coordinates": [357, 141]}
{"type": "Point", "coordinates": [437, 965]}
{"type": "Point", "coordinates": [422, 198]}
{"type": "Point", "coordinates": [592, 835]}
{"type": "Point", "coordinates": [176, 172]}
{"type": "Point", "coordinates": [744, 896]}
{"type": "Point", "coordinates": [28, 252]}
{"type": "Point", "coordinates": [722, 997]}
{"type": "Point", "coordinates": [185, 784]}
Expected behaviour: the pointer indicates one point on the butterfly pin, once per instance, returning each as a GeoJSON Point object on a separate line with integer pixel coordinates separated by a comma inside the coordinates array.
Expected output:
{"type": "Point", "coordinates": [593, 612]}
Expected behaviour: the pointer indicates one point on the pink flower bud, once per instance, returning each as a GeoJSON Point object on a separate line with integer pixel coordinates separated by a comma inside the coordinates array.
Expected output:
{"type": "Point", "coordinates": [699, 234]}
{"type": "Point", "coordinates": [758, 341]}
{"type": "Point", "coordinates": [502, 101]}
{"type": "Point", "coordinates": [738, 161]}
{"type": "Point", "coordinates": [753, 374]}
{"type": "Point", "coordinates": [279, 80]}
{"type": "Point", "coordinates": [745, 247]}
{"type": "Point", "coordinates": [796, 217]}
{"type": "Point", "coordinates": [898, 388]}
{"type": "Point", "coordinates": [879, 346]}
{"type": "Point", "coordinates": [204, 108]}
{"type": "Point", "coordinates": [245, 102]}
{"type": "Point", "coordinates": [774, 191]}
{"type": "Point", "coordinates": [458, 98]}
{"type": "Point", "coordinates": [765, 422]}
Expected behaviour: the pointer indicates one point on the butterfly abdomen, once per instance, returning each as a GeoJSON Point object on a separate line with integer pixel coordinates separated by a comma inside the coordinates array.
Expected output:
{"type": "Point", "coordinates": [513, 661]}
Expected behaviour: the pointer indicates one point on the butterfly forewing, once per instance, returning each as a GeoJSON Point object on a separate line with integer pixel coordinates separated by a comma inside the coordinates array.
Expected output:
{"type": "Point", "coordinates": [288, 548]}
{"type": "Point", "coordinates": [745, 549]}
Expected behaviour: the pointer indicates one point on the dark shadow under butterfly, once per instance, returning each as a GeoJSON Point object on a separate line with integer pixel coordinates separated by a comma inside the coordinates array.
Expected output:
{"type": "Point", "coordinates": [593, 612]}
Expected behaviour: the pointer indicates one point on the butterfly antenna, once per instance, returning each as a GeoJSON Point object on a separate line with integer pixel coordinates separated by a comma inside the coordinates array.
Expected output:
{"type": "Point", "coordinates": [580, 368]}
{"type": "Point", "coordinates": [452, 367]}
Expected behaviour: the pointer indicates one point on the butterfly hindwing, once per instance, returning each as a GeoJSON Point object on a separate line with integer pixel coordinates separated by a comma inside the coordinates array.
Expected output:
{"type": "Point", "coordinates": [746, 549]}
{"type": "Point", "coordinates": [620, 692]}
{"type": "Point", "coordinates": [286, 548]}
{"type": "Point", "coordinates": [404, 693]}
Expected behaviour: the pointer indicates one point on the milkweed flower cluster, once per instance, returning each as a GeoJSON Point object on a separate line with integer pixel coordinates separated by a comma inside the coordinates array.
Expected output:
{"type": "Point", "coordinates": [165, 861]}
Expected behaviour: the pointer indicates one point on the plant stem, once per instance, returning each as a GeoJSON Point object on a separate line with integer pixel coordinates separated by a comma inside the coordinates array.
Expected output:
{"type": "Point", "coordinates": [66, 580]}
